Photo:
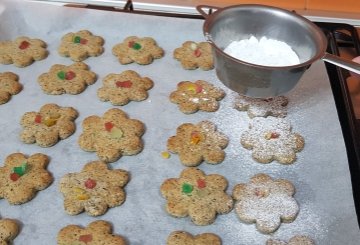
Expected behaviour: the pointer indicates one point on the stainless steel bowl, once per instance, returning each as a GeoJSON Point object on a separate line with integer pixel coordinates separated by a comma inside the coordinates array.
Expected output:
{"type": "Point", "coordinates": [242, 21]}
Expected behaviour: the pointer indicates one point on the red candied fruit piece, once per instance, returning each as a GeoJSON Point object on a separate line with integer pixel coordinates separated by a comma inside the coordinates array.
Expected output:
{"type": "Point", "coordinates": [131, 44]}
{"type": "Point", "coordinates": [124, 84]}
{"type": "Point", "coordinates": [70, 75]}
{"type": "Point", "coordinates": [90, 183]}
{"type": "Point", "coordinates": [83, 41]}
{"type": "Point", "coordinates": [86, 238]}
{"type": "Point", "coordinates": [201, 183]}
{"type": "Point", "coordinates": [14, 176]}
{"type": "Point", "coordinates": [24, 45]}
{"type": "Point", "coordinates": [108, 126]}
{"type": "Point", "coordinates": [197, 53]}
{"type": "Point", "coordinates": [38, 119]}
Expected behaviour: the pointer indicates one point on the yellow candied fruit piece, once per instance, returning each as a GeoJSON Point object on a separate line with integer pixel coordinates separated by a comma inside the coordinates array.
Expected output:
{"type": "Point", "coordinates": [165, 154]}
{"type": "Point", "coordinates": [49, 121]}
{"type": "Point", "coordinates": [193, 46]}
{"type": "Point", "coordinates": [195, 138]}
{"type": "Point", "coordinates": [116, 133]}
{"type": "Point", "coordinates": [83, 197]}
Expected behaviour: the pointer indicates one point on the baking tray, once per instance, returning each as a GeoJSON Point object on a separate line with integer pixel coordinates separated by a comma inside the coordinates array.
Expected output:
{"type": "Point", "coordinates": [327, 210]}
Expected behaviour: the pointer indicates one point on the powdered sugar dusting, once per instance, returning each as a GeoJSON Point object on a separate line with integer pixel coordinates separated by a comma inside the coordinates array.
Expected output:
{"type": "Point", "coordinates": [266, 52]}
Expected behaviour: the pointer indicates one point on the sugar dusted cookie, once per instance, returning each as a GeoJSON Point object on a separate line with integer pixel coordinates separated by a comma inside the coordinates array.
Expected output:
{"type": "Point", "coordinates": [9, 229]}
{"type": "Point", "coordinates": [46, 127]}
{"type": "Point", "coordinates": [185, 238]}
{"type": "Point", "coordinates": [112, 135]}
{"type": "Point", "coordinates": [97, 232]}
{"type": "Point", "coordinates": [23, 51]}
{"type": "Point", "coordinates": [296, 240]}
{"type": "Point", "coordinates": [198, 95]}
{"type": "Point", "coordinates": [22, 177]}
{"type": "Point", "coordinates": [95, 189]}
{"type": "Point", "coordinates": [127, 86]}
{"type": "Point", "coordinates": [266, 202]}
{"type": "Point", "coordinates": [197, 195]}
{"type": "Point", "coordinates": [198, 142]}
{"type": "Point", "coordinates": [272, 139]}
{"type": "Point", "coordinates": [194, 55]}
{"type": "Point", "coordinates": [71, 79]}
{"type": "Point", "coordinates": [258, 107]}
{"type": "Point", "coordinates": [9, 85]}
{"type": "Point", "coordinates": [81, 45]}
{"type": "Point", "coordinates": [139, 50]}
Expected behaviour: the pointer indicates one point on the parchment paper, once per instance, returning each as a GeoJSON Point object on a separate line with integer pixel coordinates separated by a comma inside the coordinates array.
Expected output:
{"type": "Point", "coordinates": [320, 174]}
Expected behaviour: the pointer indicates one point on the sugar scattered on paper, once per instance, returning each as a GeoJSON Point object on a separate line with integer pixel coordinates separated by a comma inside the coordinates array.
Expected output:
{"type": "Point", "coordinates": [266, 52]}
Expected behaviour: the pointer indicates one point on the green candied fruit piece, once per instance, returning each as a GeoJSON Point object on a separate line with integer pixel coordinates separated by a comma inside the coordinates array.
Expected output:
{"type": "Point", "coordinates": [136, 46]}
{"type": "Point", "coordinates": [77, 39]}
{"type": "Point", "coordinates": [61, 75]}
{"type": "Point", "coordinates": [21, 170]}
{"type": "Point", "coordinates": [187, 188]}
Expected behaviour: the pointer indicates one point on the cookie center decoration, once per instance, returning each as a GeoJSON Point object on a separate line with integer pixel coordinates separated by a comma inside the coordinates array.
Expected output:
{"type": "Point", "coordinates": [271, 135]}
{"type": "Point", "coordinates": [115, 132]}
{"type": "Point", "coordinates": [24, 45]}
{"type": "Point", "coordinates": [18, 171]}
{"type": "Point", "coordinates": [134, 45]}
{"type": "Point", "coordinates": [187, 188]}
{"type": "Point", "coordinates": [66, 75]}
{"type": "Point", "coordinates": [194, 88]}
{"type": "Point", "coordinates": [261, 192]}
{"type": "Point", "coordinates": [124, 84]}
{"type": "Point", "coordinates": [81, 194]}
{"type": "Point", "coordinates": [201, 183]}
{"type": "Point", "coordinates": [51, 120]}
{"type": "Point", "coordinates": [78, 39]}
{"type": "Point", "coordinates": [90, 183]}
{"type": "Point", "coordinates": [197, 53]}
{"type": "Point", "coordinates": [86, 238]}
{"type": "Point", "coordinates": [195, 137]}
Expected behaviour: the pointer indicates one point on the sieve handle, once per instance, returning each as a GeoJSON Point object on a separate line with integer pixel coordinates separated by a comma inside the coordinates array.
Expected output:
{"type": "Point", "coordinates": [346, 64]}
{"type": "Point", "coordinates": [200, 9]}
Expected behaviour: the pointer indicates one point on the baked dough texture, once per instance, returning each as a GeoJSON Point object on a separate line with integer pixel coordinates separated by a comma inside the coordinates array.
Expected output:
{"type": "Point", "coordinates": [295, 240]}
{"type": "Point", "coordinates": [9, 229]}
{"type": "Point", "coordinates": [197, 195]}
{"type": "Point", "coordinates": [112, 135]}
{"type": "Point", "coordinates": [193, 55]}
{"type": "Point", "coordinates": [272, 139]}
{"type": "Point", "coordinates": [185, 238]}
{"type": "Point", "coordinates": [46, 127]}
{"type": "Point", "coordinates": [195, 143]}
{"type": "Point", "coordinates": [97, 233]}
{"type": "Point", "coordinates": [194, 96]}
{"type": "Point", "coordinates": [266, 202]}
{"type": "Point", "coordinates": [72, 79]}
{"type": "Point", "coordinates": [142, 51]}
{"type": "Point", "coordinates": [22, 51]}
{"type": "Point", "coordinates": [81, 45]}
{"type": "Point", "coordinates": [94, 189]}
{"type": "Point", "coordinates": [9, 85]}
{"type": "Point", "coordinates": [122, 88]}
{"type": "Point", "coordinates": [22, 177]}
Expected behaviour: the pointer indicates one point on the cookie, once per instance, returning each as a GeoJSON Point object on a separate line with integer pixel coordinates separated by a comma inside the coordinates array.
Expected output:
{"type": "Point", "coordinates": [95, 189]}
{"type": "Point", "coordinates": [9, 229]}
{"type": "Point", "coordinates": [46, 127]}
{"type": "Point", "coordinates": [112, 135]}
{"type": "Point", "coordinates": [22, 51]}
{"type": "Point", "coordinates": [22, 177]}
{"type": "Point", "coordinates": [197, 195]}
{"type": "Point", "coordinates": [196, 143]}
{"type": "Point", "coordinates": [266, 202]}
{"type": "Point", "coordinates": [185, 238]}
{"type": "Point", "coordinates": [139, 50]}
{"type": "Point", "coordinates": [81, 45]}
{"type": "Point", "coordinates": [72, 79]}
{"type": "Point", "coordinates": [272, 139]}
{"type": "Point", "coordinates": [9, 85]}
{"type": "Point", "coordinates": [193, 55]}
{"type": "Point", "coordinates": [295, 240]}
{"type": "Point", "coordinates": [122, 88]}
{"type": "Point", "coordinates": [198, 95]}
{"type": "Point", "coordinates": [97, 232]}
{"type": "Point", "coordinates": [258, 107]}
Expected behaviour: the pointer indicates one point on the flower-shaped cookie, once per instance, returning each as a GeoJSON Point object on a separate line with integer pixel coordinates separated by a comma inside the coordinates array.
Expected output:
{"type": "Point", "coordinates": [124, 87]}
{"type": "Point", "coordinates": [9, 85]}
{"type": "Point", "coordinates": [112, 135]}
{"type": "Point", "coordinates": [272, 139]}
{"type": "Point", "coordinates": [295, 240]}
{"type": "Point", "coordinates": [21, 177]}
{"type": "Point", "coordinates": [266, 202]}
{"type": "Point", "coordinates": [9, 229]}
{"type": "Point", "coordinates": [194, 96]}
{"type": "Point", "coordinates": [140, 50]}
{"type": "Point", "coordinates": [71, 79]}
{"type": "Point", "coordinates": [194, 55]}
{"type": "Point", "coordinates": [198, 142]}
{"type": "Point", "coordinates": [258, 107]}
{"type": "Point", "coordinates": [23, 51]}
{"type": "Point", "coordinates": [80, 45]}
{"type": "Point", "coordinates": [197, 195]}
{"type": "Point", "coordinates": [185, 238]}
{"type": "Point", "coordinates": [95, 189]}
{"type": "Point", "coordinates": [47, 126]}
{"type": "Point", "coordinates": [97, 232]}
